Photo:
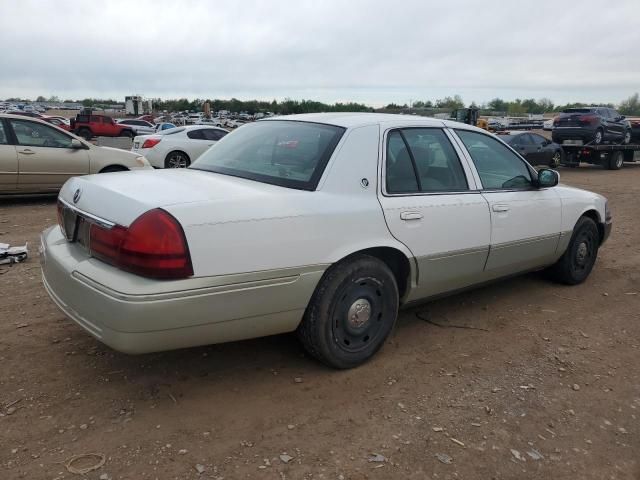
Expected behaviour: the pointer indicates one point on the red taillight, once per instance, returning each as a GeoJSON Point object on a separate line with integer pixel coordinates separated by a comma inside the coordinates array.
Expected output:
{"type": "Point", "coordinates": [151, 142]}
{"type": "Point", "coordinates": [588, 118]}
{"type": "Point", "coordinates": [153, 246]}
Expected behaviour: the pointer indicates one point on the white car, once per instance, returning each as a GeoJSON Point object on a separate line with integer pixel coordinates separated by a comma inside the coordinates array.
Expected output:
{"type": "Point", "coordinates": [548, 124]}
{"type": "Point", "coordinates": [177, 147]}
{"type": "Point", "coordinates": [139, 127]}
{"type": "Point", "coordinates": [321, 223]}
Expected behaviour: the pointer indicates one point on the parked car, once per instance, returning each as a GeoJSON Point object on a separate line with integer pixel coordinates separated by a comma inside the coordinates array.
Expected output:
{"type": "Point", "coordinates": [147, 118]}
{"type": "Point", "coordinates": [591, 125]}
{"type": "Point", "coordinates": [139, 127]}
{"type": "Point", "coordinates": [536, 149]}
{"type": "Point", "coordinates": [159, 127]}
{"type": "Point", "coordinates": [89, 126]}
{"type": "Point", "coordinates": [36, 157]}
{"type": "Point", "coordinates": [324, 224]}
{"type": "Point", "coordinates": [177, 147]}
{"type": "Point", "coordinates": [193, 118]}
{"type": "Point", "coordinates": [58, 122]}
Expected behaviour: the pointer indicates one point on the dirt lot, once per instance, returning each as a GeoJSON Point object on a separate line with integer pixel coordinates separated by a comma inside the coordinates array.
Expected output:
{"type": "Point", "coordinates": [546, 385]}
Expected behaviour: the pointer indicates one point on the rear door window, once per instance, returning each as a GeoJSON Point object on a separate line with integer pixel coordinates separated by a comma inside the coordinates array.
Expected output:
{"type": "Point", "coordinates": [428, 153]}
{"type": "Point", "coordinates": [211, 134]}
{"type": "Point", "coordinates": [196, 134]}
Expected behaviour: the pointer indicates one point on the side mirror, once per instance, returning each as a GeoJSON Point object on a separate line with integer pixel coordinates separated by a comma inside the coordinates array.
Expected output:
{"type": "Point", "coordinates": [548, 178]}
{"type": "Point", "coordinates": [77, 144]}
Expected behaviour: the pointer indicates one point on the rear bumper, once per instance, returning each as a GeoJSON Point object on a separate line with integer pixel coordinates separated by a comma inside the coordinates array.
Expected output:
{"type": "Point", "coordinates": [132, 314]}
{"type": "Point", "coordinates": [573, 133]}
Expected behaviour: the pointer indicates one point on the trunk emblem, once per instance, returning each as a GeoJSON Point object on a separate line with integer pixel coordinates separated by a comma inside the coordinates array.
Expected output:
{"type": "Point", "coordinates": [77, 195]}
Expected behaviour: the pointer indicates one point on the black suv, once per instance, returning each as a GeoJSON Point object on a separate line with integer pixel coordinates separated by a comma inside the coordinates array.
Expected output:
{"type": "Point", "coordinates": [591, 125]}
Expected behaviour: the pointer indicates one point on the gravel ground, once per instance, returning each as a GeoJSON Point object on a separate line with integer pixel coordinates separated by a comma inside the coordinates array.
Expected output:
{"type": "Point", "coordinates": [543, 384]}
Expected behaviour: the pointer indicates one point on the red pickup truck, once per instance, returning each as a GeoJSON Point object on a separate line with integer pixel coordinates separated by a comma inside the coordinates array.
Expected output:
{"type": "Point", "coordinates": [89, 126]}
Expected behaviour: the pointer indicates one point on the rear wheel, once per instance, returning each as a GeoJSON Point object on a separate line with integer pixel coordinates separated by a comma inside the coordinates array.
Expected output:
{"type": "Point", "coordinates": [126, 133]}
{"type": "Point", "coordinates": [351, 313]}
{"type": "Point", "coordinates": [616, 161]}
{"type": "Point", "coordinates": [576, 263]}
{"type": "Point", "coordinates": [177, 160]}
{"type": "Point", "coordinates": [556, 159]}
{"type": "Point", "coordinates": [598, 136]}
{"type": "Point", "coordinates": [85, 133]}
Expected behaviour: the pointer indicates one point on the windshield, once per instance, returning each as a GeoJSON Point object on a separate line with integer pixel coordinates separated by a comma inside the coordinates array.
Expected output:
{"type": "Point", "coordinates": [286, 153]}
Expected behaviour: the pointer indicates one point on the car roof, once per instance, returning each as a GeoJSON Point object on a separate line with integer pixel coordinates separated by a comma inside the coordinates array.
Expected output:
{"type": "Point", "coordinates": [360, 119]}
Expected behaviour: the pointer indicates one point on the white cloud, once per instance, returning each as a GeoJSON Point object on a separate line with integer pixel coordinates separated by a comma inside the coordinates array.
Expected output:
{"type": "Point", "coordinates": [372, 51]}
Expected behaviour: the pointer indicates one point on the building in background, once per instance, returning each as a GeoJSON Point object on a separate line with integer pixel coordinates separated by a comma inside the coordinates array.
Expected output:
{"type": "Point", "coordinates": [136, 105]}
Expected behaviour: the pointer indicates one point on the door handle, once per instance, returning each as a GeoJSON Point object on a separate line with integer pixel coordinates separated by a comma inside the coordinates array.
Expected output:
{"type": "Point", "coordinates": [500, 208]}
{"type": "Point", "coordinates": [410, 216]}
{"type": "Point", "coordinates": [26, 151]}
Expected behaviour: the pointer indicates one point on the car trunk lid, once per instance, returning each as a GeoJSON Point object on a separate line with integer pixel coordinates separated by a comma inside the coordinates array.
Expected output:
{"type": "Point", "coordinates": [122, 197]}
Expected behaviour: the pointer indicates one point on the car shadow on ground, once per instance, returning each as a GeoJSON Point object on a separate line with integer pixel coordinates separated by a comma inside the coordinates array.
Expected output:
{"type": "Point", "coordinates": [193, 372]}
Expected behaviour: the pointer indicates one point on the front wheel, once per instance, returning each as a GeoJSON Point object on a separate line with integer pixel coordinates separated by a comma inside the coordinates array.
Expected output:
{"type": "Point", "coordinates": [576, 263]}
{"type": "Point", "coordinates": [351, 313]}
{"type": "Point", "coordinates": [556, 159]}
{"type": "Point", "coordinates": [626, 140]}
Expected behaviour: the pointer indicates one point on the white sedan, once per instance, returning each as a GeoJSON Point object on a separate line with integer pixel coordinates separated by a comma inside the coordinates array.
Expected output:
{"type": "Point", "coordinates": [323, 223]}
{"type": "Point", "coordinates": [140, 127]}
{"type": "Point", "coordinates": [177, 147]}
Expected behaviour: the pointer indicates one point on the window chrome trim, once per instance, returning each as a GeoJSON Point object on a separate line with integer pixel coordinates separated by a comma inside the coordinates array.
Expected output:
{"type": "Point", "coordinates": [469, 174]}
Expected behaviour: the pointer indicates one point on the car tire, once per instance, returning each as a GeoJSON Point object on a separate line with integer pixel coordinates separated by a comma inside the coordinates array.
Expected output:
{"type": "Point", "coordinates": [351, 313]}
{"type": "Point", "coordinates": [127, 133]}
{"type": "Point", "coordinates": [85, 133]}
{"type": "Point", "coordinates": [177, 159]}
{"type": "Point", "coordinates": [556, 159]}
{"type": "Point", "coordinates": [615, 160]}
{"type": "Point", "coordinates": [626, 140]}
{"type": "Point", "coordinates": [578, 260]}
{"type": "Point", "coordinates": [598, 136]}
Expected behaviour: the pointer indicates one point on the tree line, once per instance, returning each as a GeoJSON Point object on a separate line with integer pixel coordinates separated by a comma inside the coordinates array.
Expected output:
{"type": "Point", "coordinates": [630, 106]}
{"type": "Point", "coordinates": [497, 106]}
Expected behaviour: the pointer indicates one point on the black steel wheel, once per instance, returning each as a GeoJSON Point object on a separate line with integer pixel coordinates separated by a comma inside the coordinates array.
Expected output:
{"type": "Point", "coordinates": [616, 160]}
{"type": "Point", "coordinates": [177, 160]}
{"type": "Point", "coordinates": [351, 313]}
{"type": "Point", "coordinates": [85, 133]}
{"type": "Point", "coordinates": [578, 260]}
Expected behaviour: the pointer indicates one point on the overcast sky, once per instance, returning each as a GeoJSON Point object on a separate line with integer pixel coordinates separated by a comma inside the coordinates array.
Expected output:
{"type": "Point", "coordinates": [373, 51]}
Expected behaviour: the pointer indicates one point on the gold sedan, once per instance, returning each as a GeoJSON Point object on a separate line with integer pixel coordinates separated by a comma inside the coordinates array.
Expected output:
{"type": "Point", "coordinates": [36, 157]}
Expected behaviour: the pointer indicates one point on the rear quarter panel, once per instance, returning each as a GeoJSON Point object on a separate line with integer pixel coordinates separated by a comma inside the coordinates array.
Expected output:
{"type": "Point", "coordinates": [297, 228]}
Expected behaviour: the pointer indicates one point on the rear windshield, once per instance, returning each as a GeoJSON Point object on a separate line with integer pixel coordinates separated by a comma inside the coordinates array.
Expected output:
{"type": "Point", "coordinates": [578, 110]}
{"type": "Point", "coordinates": [281, 152]}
